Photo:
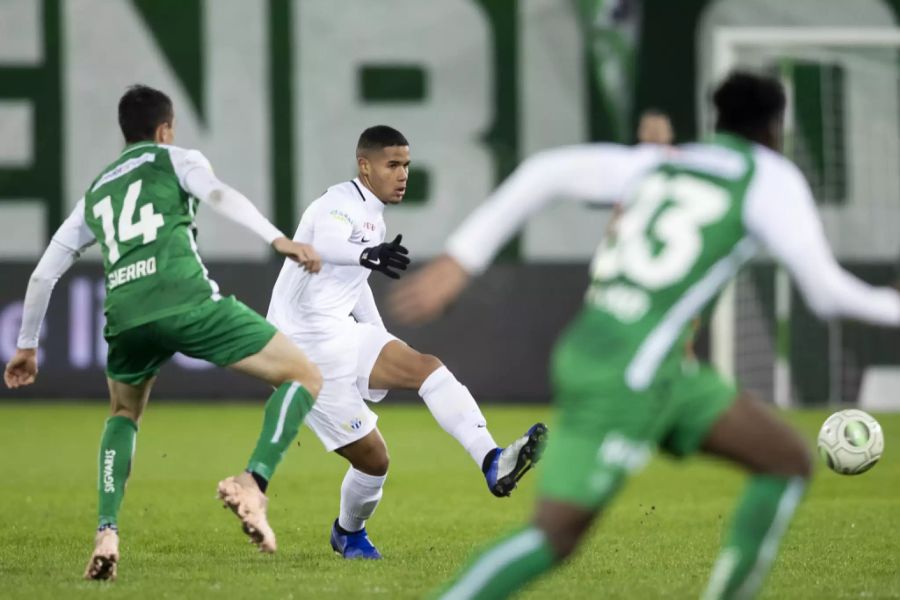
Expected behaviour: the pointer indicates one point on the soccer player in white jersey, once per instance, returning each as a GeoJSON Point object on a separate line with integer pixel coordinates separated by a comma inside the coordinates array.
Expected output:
{"type": "Point", "coordinates": [692, 218]}
{"type": "Point", "coordinates": [359, 359]}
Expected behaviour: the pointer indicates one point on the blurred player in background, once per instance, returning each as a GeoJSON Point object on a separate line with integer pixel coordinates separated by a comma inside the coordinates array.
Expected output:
{"type": "Point", "coordinates": [359, 358]}
{"type": "Point", "coordinates": [693, 217]}
{"type": "Point", "coordinates": [159, 300]}
{"type": "Point", "coordinates": [655, 127]}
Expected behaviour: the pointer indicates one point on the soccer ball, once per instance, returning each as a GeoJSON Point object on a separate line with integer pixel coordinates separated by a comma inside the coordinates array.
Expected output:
{"type": "Point", "coordinates": [850, 442]}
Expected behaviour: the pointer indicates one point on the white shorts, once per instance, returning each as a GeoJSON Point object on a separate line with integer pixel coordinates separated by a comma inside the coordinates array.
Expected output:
{"type": "Point", "coordinates": [346, 356]}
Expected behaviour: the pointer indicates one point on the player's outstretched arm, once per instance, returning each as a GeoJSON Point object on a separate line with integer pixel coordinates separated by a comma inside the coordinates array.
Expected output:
{"type": "Point", "coordinates": [72, 237]}
{"type": "Point", "coordinates": [781, 213]}
{"type": "Point", "coordinates": [597, 173]}
{"type": "Point", "coordinates": [196, 176]}
{"type": "Point", "coordinates": [302, 254]}
{"type": "Point", "coordinates": [429, 291]}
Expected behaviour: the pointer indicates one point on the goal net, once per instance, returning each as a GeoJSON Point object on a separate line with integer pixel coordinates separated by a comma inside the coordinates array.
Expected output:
{"type": "Point", "coordinates": [843, 130]}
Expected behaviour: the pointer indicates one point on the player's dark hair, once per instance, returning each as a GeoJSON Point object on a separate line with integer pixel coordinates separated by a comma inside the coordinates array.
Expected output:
{"type": "Point", "coordinates": [652, 111]}
{"type": "Point", "coordinates": [746, 104]}
{"type": "Point", "coordinates": [141, 110]}
{"type": "Point", "coordinates": [378, 138]}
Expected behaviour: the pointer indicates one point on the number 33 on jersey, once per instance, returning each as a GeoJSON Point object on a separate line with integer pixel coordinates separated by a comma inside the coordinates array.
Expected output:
{"type": "Point", "coordinates": [675, 229]}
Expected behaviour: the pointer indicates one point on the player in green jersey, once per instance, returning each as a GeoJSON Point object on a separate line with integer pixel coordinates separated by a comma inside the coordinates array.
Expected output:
{"type": "Point", "coordinates": [160, 300]}
{"type": "Point", "coordinates": [622, 384]}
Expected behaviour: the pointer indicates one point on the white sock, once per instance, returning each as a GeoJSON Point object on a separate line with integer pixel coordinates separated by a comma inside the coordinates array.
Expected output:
{"type": "Point", "coordinates": [360, 494]}
{"type": "Point", "coordinates": [454, 408]}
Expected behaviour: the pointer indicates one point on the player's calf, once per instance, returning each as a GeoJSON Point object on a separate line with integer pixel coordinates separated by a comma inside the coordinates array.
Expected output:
{"type": "Point", "coordinates": [750, 434]}
{"type": "Point", "coordinates": [564, 525]}
{"type": "Point", "coordinates": [361, 492]}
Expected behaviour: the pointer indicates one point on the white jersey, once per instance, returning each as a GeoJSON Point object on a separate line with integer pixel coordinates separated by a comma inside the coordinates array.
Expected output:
{"type": "Point", "coordinates": [340, 224]}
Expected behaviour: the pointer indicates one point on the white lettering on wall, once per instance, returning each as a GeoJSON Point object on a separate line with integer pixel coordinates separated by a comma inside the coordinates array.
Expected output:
{"type": "Point", "coordinates": [108, 47]}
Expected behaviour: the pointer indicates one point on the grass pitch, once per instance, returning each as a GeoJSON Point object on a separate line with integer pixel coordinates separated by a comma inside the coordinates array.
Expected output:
{"type": "Point", "coordinates": [658, 541]}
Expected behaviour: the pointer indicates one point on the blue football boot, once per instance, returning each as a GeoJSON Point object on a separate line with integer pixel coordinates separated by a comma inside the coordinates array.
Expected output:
{"type": "Point", "coordinates": [353, 545]}
{"type": "Point", "coordinates": [509, 464]}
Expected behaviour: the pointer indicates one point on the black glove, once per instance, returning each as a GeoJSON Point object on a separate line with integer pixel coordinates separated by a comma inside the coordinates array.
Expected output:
{"type": "Point", "coordinates": [385, 257]}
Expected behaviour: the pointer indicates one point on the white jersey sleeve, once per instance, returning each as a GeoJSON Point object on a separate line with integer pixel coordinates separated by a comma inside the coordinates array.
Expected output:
{"type": "Point", "coordinates": [67, 244]}
{"type": "Point", "coordinates": [594, 173]}
{"type": "Point", "coordinates": [332, 232]}
{"type": "Point", "coordinates": [366, 311]}
{"type": "Point", "coordinates": [196, 177]}
{"type": "Point", "coordinates": [339, 224]}
{"type": "Point", "coordinates": [781, 213]}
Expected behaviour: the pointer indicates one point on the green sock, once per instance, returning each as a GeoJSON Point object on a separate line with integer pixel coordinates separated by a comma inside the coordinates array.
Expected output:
{"type": "Point", "coordinates": [116, 451]}
{"type": "Point", "coordinates": [285, 410]}
{"type": "Point", "coordinates": [503, 568]}
{"type": "Point", "coordinates": [752, 541]}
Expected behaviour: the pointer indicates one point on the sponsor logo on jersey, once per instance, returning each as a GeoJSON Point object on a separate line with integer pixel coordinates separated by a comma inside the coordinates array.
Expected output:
{"type": "Point", "coordinates": [619, 451]}
{"type": "Point", "coordinates": [135, 270]}
{"type": "Point", "coordinates": [341, 216]}
{"type": "Point", "coordinates": [626, 303]}
{"type": "Point", "coordinates": [126, 167]}
{"type": "Point", "coordinates": [109, 456]}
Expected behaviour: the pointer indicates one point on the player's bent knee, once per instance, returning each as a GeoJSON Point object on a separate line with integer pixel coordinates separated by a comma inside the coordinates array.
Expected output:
{"type": "Point", "coordinates": [312, 380]}
{"type": "Point", "coordinates": [380, 465]}
{"type": "Point", "coordinates": [794, 461]}
{"type": "Point", "coordinates": [427, 364]}
{"type": "Point", "coordinates": [802, 461]}
{"type": "Point", "coordinates": [309, 376]}
{"type": "Point", "coordinates": [374, 463]}
{"type": "Point", "coordinates": [132, 413]}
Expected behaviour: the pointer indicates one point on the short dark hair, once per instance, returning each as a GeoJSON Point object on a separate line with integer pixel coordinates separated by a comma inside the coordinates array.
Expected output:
{"type": "Point", "coordinates": [747, 103]}
{"type": "Point", "coordinates": [141, 110]}
{"type": "Point", "coordinates": [378, 138]}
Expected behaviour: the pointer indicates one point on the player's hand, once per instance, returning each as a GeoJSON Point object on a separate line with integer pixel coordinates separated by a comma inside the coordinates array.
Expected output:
{"type": "Point", "coordinates": [21, 368]}
{"type": "Point", "coordinates": [304, 254]}
{"type": "Point", "coordinates": [428, 291]}
{"type": "Point", "coordinates": [385, 257]}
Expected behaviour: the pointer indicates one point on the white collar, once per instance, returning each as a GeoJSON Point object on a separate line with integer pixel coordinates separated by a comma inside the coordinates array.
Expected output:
{"type": "Point", "coordinates": [371, 200]}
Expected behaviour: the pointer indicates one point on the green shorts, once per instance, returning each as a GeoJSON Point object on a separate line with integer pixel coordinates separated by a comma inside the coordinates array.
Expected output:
{"type": "Point", "coordinates": [605, 430]}
{"type": "Point", "coordinates": [222, 333]}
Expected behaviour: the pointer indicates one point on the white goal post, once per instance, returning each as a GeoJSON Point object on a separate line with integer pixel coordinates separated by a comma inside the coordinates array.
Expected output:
{"type": "Point", "coordinates": [734, 47]}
